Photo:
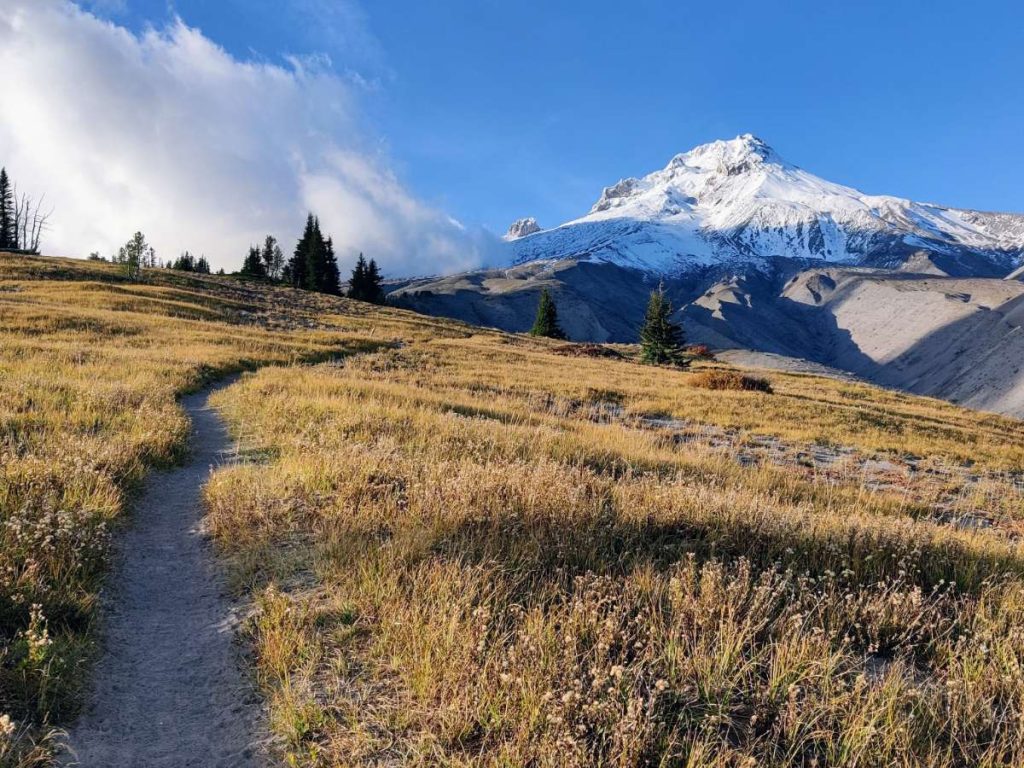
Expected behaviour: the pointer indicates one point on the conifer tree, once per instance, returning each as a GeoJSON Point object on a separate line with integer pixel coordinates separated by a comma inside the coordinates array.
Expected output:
{"type": "Point", "coordinates": [331, 277]}
{"type": "Point", "coordinates": [315, 259]}
{"type": "Point", "coordinates": [661, 340]}
{"type": "Point", "coordinates": [374, 283]}
{"type": "Point", "coordinates": [8, 230]}
{"type": "Point", "coordinates": [546, 323]}
{"type": "Point", "coordinates": [253, 264]}
{"type": "Point", "coordinates": [298, 265]}
{"type": "Point", "coordinates": [202, 266]}
{"type": "Point", "coordinates": [184, 263]}
{"type": "Point", "coordinates": [313, 265]}
{"type": "Point", "coordinates": [357, 283]}
{"type": "Point", "coordinates": [366, 283]}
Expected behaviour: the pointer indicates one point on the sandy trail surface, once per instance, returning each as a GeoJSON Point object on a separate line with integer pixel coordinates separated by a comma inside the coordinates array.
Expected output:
{"type": "Point", "coordinates": [168, 689]}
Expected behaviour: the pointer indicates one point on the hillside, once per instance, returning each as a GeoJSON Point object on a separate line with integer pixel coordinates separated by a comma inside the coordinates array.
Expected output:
{"type": "Point", "coordinates": [961, 339]}
{"type": "Point", "coordinates": [91, 366]}
{"type": "Point", "coordinates": [727, 228]}
{"type": "Point", "coordinates": [465, 547]}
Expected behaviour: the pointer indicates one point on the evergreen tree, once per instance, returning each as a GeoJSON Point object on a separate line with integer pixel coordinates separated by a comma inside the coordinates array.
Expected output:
{"type": "Point", "coordinates": [8, 230]}
{"type": "Point", "coordinates": [330, 277]}
{"type": "Point", "coordinates": [661, 340]}
{"type": "Point", "coordinates": [357, 283]}
{"type": "Point", "coordinates": [185, 263]}
{"type": "Point", "coordinates": [298, 265]}
{"type": "Point", "coordinates": [374, 284]}
{"type": "Point", "coordinates": [546, 323]}
{"type": "Point", "coordinates": [313, 265]}
{"type": "Point", "coordinates": [189, 263]}
{"type": "Point", "coordinates": [366, 283]}
{"type": "Point", "coordinates": [253, 264]}
{"type": "Point", "coordinates": [314, 258]}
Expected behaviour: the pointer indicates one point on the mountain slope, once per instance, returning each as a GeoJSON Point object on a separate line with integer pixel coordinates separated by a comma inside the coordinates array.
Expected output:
{"type": "Point", "coordinates": [961, 339]}
{"type": "Point", "coordinates": [596, 301]}
{"type": "Point", "coordinates": [739, 202]}
{"type": "Point", "coordinates": [763, 255]}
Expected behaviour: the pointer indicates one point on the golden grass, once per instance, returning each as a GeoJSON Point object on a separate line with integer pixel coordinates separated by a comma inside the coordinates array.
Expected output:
{"type": "Point", "coordinates": [467, 549]}
{"type": "Point", "coordinates": [90, 367]}
{"type": "Point", "coordinates": [476, 552]}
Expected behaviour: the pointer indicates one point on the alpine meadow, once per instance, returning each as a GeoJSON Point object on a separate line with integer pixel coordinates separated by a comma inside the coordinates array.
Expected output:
{"type": "Point", "coordinates": [712, 458]}
{"type": "Point", "coordinates": [462, 547]}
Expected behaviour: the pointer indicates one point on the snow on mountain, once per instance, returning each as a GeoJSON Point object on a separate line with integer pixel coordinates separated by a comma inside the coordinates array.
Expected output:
{"type": "Point", "coordinates": [522, 228]}
{"type": "Point", "coordinates": [739, 201]}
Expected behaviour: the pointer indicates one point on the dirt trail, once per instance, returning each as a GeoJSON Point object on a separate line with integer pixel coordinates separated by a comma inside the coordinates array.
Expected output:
{"type": "Point", "coordinates": [168, 690]}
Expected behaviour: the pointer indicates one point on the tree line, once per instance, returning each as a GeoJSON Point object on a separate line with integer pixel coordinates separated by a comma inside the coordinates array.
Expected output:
{"type": "Point", "coordinates": [313, 265]}
{"type": "Point", "coordinates": [661, 339]}
{"type": "Point", "coordinates": [137, 254]}
{"type": "Point", "coordinates": [22, 219]}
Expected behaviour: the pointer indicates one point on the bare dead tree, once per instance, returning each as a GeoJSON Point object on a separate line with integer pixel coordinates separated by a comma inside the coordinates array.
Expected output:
{"type": "Point", "coordinates": [18, 215]}
{"type": "Point", "coordinates": [30, 222]}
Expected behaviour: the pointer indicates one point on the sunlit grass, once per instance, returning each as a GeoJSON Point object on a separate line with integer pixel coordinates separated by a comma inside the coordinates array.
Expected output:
{"type": "Point", "coordinates": [466, 549]}
{"type": "Point", "coordinates": [471, 551]}
{"type": "Point", "coordinates": [90, 368]}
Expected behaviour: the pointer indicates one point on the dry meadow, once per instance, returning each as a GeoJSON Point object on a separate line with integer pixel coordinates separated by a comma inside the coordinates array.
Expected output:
{"type": "Point", "coordinates": [466, 548]}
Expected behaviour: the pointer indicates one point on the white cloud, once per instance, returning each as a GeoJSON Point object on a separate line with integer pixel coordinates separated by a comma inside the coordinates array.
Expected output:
{"type": "Point", "coordinates": [168, 133]}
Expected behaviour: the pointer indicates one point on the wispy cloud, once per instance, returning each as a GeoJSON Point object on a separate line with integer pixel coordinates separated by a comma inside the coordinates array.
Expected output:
{"type": "Point", "coordinates": [166, 132]}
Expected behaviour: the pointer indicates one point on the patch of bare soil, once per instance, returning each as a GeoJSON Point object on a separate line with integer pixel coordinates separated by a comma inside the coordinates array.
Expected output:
{"type": "Point", "coordinates": [954, 494]}
{"type": "Point", "coordinates": [943, 492]}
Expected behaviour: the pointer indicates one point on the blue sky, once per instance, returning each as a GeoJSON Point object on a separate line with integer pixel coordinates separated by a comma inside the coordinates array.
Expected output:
{"type": "Point", "coordinates": [492, 110]}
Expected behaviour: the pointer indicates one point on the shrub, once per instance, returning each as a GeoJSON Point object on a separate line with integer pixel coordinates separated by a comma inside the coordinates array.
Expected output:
{"type": "Point", "coordinates": [699, 352]}
{"type": "Point", "coordinates": [730, 380]}
{"type": "Point", "coordinates": [587, 350]}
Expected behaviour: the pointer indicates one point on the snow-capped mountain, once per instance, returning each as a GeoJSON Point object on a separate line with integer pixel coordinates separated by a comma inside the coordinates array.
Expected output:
{"type": "Point", "coordinates": [760, 255]}
{"type": "Point", "coordinates": [739, 201]}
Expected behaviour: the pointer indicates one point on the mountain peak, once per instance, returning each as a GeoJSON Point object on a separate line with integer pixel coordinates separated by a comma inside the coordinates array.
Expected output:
{"type": "Point", "coordinates": [689, 172]}
{"type": "Point", "coordinates": [738, 201]}
{"type": "Point", "coordinates": [728, 157]}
